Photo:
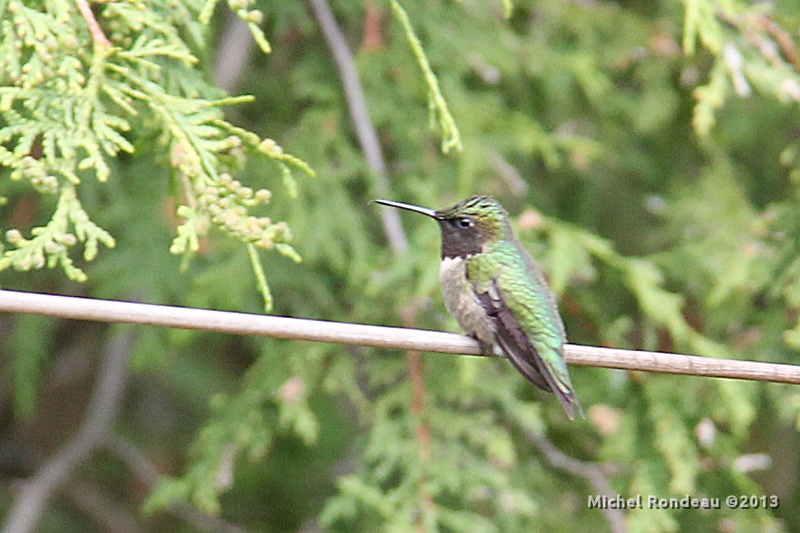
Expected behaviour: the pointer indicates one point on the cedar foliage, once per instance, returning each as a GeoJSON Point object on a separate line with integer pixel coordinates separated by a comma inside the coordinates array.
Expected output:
{"type": "Point", "coordinates": [647, 150]}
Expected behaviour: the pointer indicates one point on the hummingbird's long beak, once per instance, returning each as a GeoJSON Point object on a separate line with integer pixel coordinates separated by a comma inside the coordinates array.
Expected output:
{"type": "Point", "coordinates": [408, 207]}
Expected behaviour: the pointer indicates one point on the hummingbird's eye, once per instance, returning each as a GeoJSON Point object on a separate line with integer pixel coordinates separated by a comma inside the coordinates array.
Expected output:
{"type": "Point", "coordinates": [465, 222]}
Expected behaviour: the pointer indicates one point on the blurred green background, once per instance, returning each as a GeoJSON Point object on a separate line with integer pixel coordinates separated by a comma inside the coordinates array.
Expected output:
{"type": "Point", "coordinates": [648, 155]}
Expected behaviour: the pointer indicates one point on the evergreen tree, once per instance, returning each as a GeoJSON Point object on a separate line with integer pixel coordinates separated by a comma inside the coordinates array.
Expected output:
{"type": "Point", "coordinates": [648, 154]}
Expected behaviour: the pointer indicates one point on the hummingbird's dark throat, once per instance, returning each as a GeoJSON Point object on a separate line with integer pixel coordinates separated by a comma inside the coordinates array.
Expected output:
{"type": "Point", "coordinates": [460, 242]}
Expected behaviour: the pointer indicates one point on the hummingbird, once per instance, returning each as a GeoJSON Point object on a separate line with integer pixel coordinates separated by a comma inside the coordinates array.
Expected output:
{"type": "Point", "coordinates": [498, 294]}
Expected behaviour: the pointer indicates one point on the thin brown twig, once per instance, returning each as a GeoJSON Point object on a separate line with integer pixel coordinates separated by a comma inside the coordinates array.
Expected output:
{"type": "Point", "coordinates": [783, 37]}
{"type": "Point", "coordinates": [373, 27]}
{"type": "Point", "coordinates": [94, 27]}
{"type": "Point", "coordinates": [752, 28]}
{"type": "Point", "coordinates": [416, 370]}
{"type": "Point", "coordinates": [416, 374]}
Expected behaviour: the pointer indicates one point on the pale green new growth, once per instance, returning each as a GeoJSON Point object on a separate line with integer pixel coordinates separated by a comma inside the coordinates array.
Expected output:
{"type": "Point", "coordinates": [508, 8]}
{"type": "Point", "coordinates": [244, 10]}
{"type": "Point", "coordinates": [51, 243]}
{"type": "Point", "coordinates": [701, 22]}
{"type": "Point", "coordinates": [439, 113]}
{"type": "Point", "coordinates": [69, 108]}
{"type": "Point", "coordinates": [261, 277]}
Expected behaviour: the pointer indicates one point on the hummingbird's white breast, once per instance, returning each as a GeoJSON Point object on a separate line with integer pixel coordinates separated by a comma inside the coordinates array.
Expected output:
{"type": "Point", "coordinates": [461, 301]}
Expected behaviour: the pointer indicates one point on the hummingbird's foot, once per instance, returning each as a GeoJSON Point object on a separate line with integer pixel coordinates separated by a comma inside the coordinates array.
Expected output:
{"type": "Point", "coordinates": [490, 349]}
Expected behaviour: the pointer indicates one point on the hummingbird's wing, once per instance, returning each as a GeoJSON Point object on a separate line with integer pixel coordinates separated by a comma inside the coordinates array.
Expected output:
{"type": "Point", "coordinates": [513, 341]}
{"type": "Point", "coordinates": [522, 354]}
{"type": "Point", "coordinates": [528, 327]}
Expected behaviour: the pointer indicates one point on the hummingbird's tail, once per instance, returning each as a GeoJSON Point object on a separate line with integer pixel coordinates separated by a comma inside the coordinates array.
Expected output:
{"type": "Point", "coordinates": [537, 373]}
{"type": "Point", "coordinates": [527, 360]}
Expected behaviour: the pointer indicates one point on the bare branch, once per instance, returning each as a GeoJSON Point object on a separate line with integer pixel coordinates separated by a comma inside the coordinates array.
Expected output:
{"type": "Point", "coordinates": [233, 49]}
{"type": "Point", "coordinates": [99, 505]}
{"type": "Point", "coordinates": [365, 130]}
{"type": "Point", "coordinates": [99, 420]}
{"type": "Point", "coordinates": [376, 336]}
{"type": "Point", "coordinates": [147, 474]}
{"type": "Point", "coordinates": [587, 470]}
